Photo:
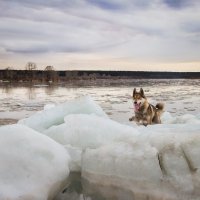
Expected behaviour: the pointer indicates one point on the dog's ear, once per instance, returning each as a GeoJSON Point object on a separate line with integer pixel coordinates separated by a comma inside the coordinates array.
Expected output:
{"type": "Point", "coordinates": [134, 91]}
{"type": "Point", "coordinates": [142, 92]}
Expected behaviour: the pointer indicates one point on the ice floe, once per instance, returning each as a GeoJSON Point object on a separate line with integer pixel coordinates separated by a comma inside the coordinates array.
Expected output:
{"type": "Point", "coordinates": [54, 116]}
{"type": "Point", "coordinates": [120, 161]}
{"type": "Point", "coordinates": [32, 165]}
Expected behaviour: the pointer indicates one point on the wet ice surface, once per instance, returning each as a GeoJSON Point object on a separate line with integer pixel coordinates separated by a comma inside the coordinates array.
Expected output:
{"type": "Point", "coordinates": [114, 96]}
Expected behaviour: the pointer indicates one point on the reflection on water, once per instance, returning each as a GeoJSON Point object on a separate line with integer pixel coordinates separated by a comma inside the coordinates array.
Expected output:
{"type": "Point", "coordinates": [31, 93]}
{"type": "Point", "coordinates": [114, 96]}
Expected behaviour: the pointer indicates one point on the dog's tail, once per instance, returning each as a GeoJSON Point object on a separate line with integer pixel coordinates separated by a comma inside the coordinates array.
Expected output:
{"type": "Point", "coordinates": [160, 107]}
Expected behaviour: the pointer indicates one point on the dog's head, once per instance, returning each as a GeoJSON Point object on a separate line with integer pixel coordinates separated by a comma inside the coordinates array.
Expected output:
{"type": "Point", "coordinates": [138, 99]}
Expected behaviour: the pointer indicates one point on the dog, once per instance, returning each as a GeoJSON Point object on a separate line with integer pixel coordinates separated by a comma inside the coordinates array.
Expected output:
{"type": "Point", "coordinates": [145, 113]}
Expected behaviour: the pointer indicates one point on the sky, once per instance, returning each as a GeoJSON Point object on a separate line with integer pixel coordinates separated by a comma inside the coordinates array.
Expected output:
{"type": "Point", "coordinates": [155, 35]}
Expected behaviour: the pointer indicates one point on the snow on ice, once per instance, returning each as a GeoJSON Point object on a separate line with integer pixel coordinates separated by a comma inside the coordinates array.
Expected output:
{"type": "Point", "coordinates": [125, 161]}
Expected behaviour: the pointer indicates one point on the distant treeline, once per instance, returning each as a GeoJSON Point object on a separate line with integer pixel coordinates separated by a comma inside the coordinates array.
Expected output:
{"type": "Point", "coordinates": [59, 76]}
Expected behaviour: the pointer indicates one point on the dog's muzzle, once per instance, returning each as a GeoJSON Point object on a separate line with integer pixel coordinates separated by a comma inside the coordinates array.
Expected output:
{"type": "Point", "coordinates": [136, 106]}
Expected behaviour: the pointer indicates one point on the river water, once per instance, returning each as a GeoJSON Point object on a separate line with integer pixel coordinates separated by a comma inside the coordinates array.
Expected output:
{"type": "Point", "coordinates": [114, 96]}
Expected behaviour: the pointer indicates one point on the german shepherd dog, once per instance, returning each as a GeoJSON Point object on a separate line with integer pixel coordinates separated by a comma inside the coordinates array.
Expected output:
{"type": "Point", "coordinates": [145, 113]}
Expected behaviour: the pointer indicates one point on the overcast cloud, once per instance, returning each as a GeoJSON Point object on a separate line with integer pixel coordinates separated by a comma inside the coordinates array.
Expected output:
{"type": "Point", "coordinates": [100, 34]}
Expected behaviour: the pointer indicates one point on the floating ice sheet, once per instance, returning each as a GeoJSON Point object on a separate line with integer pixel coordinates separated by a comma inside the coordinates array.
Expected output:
{"type": "Point", "coordinates": [33, 166]}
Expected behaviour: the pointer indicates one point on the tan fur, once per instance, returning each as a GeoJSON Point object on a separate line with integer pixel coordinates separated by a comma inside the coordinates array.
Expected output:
{"type": "Point", "coordinates": [146, 113]}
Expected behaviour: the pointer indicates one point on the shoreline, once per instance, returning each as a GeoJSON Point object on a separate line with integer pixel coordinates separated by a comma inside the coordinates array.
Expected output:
{"type": "Point", "coordinates": [51, 76]}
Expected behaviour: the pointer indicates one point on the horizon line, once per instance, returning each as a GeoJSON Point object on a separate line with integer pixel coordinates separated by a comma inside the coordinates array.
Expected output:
{"type": "Point", "coordinates": [104, 70]}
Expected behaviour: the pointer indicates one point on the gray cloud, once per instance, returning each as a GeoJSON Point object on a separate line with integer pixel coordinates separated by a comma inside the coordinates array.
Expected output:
{"type": "Point", "coordinates": [139, 29]}
{"type": "Point", "coordinates": [179, 4]}
{"type": "Point", "coordinates": [191, 26]}
{"type": "Point", "coordinates": [106, 4]}
{"type": "Point", "coordinates": [176, 3]}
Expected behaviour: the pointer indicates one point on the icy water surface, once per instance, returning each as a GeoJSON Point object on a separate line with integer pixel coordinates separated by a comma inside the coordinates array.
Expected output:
{"type": "Point", "coordinates": [114, 96]}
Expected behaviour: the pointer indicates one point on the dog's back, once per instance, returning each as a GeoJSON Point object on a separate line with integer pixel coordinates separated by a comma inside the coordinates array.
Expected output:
{"type": "Point", "coordinates": [155, 113]}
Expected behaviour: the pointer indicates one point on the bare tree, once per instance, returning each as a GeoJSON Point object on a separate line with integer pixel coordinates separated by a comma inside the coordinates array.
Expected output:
{"type": "Point", "coordinates": [49, 68]}
{"type": "Point", "coordinates": [31, 66]}
{"type": "Point", "coordinates": [8, 73]}
{"type": "Point", "coordinates": [8, 68]}
{"type": "Point", "coordinates": [51, 75]}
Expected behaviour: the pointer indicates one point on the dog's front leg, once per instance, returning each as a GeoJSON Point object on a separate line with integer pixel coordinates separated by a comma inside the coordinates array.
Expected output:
{"type": "Point", "coordinates": [132, 118]}
{"type": "Point", "coordinates": [145, 123]}
{"type": "Point", "coordinates": [147, 120]}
